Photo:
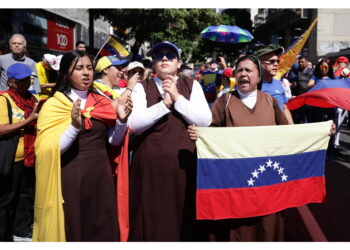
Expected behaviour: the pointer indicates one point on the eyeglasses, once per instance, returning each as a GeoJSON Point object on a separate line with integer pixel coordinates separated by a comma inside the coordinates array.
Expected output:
{"type": "Point", "coordinates": [169, 55]}
{"type": "Point", "coordinates": [323, 67]}
{"type": "Point", "coordinates": [273, 61]}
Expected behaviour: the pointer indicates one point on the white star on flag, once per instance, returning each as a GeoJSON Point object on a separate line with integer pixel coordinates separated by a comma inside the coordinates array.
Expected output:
{"type": "Point", "coordinates": [280, 171]}
{"type": "Point", "coordinates": [276, 165]}
{"type": "Point", "coordinates": [269, 163]}
{"type": "Point", "coordinates": [284, 177]}
{"type": "Point", "coordinates": [255, 173]}
{"type": "Point", "coordinates": [262, 168]}
{"type": "Point", "coordinates": [250, 182]}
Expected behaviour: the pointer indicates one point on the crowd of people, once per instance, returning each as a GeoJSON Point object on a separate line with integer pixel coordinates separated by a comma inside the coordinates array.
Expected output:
{"type": "Point", "coordinates": [66, 118]}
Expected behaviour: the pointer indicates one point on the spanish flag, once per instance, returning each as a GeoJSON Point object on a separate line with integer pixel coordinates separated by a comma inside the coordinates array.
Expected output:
{"type": "Point", "coordinates": [114, 47]}
{"type": "Point", "coordinates": [288, 57]}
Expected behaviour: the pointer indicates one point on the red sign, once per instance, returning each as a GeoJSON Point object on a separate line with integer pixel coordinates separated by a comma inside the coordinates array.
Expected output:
{"type": "Point", "coordinates": [59, 36]}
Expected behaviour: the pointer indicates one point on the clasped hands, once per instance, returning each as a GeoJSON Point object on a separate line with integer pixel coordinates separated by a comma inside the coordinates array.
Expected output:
{"type": "Point", "coordinates": [171, 93]}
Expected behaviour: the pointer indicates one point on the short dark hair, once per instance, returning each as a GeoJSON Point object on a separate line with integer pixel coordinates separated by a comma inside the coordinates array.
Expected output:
{"type": "Point", "coordinates": [305, 57]}
{"type": "Point", "coordinates": [79, 42]}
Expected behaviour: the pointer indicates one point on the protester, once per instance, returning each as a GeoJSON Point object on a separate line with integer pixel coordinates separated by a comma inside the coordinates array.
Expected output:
{"type": "Point", "coordinates": [136, 68]}
{"type": "Point", "coordinates": [75, 189]}
{"type": "Point", "coordinates": [200, 71]}
{"type": "Point", "coordinates": [269, 63]}
{"type": "Point", "coordinates": [304, 75]}
{"type": "Point", "coordinates": [162, 174]}
{"type": "Point", "coordinates": [323, 71]}
{"type": "Point", "coordinates": [340, 63]}
{"type": "Point", "coordinates": [226, 83]}
{"type": "Point", "coordinates": [47, 72]}
{"type": "Point", "coordinates": [209, 81]}
{"type": "Point", "coordinates": [18, 46]}
{"type": "Point", "coordinates": [80, 45]}
{"type": "Point", "coordinates": [110, 67]}
{"type": "Point", "coordinates": [299, 86]}
{"type": "Point", "coordinates": [18, 114]}
{"type": "Point", "coordinates": [246, 106]}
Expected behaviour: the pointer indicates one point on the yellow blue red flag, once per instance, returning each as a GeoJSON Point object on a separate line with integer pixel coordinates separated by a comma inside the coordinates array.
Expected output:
{"type": "Point", "coordinates": [114, 47]}
{"type": "Point", "coordinates": [289, 56]}
{"type": "Point", "coordinates": [253, 171]}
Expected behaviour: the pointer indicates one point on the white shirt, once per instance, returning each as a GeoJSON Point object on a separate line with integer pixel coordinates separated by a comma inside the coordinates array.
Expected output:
{"type": "Point", "coordinates": [249, 99]}
{"type": "Point", "coordinates": [115, 135]}
{"type": "Point", "coordinates": [194, 111]}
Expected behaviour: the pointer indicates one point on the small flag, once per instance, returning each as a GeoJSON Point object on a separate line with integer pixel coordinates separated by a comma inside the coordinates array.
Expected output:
{"type": "Point", "coordinates": [289, 56]}
{"type": "Point", "coordinates": [254, 171]}
{"type": "Point", "coordinates": [114, 47]}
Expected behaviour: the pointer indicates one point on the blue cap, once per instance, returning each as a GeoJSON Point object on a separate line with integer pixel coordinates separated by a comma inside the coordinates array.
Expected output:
{"type": "Point", "coordinates": [164, 44]}
{"type": "Point", "coordinates": [107, 61]}
{"type": "Point", "coordinates": [19, 71]}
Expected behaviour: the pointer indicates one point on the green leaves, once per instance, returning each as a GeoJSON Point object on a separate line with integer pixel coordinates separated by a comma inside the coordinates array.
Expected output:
{"type": "Point", "coordinates": [180, 26]}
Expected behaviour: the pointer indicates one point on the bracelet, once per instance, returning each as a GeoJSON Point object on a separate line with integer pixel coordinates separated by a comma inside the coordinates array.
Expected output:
{"type": "Point", "coordinates": [129, 89]}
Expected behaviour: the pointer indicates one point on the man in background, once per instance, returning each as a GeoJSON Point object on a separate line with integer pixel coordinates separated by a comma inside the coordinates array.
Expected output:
{"type": "Point", "coordinates": [268, 57]}
{"type": "Point", "coordinates": [18, 45]}
{"type": "Point", "coordinates": [80, 45]}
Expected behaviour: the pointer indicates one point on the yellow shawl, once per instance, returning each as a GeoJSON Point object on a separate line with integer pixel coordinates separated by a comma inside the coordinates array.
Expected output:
{"type": "Point", "coordinates": [54, 119]}
{"type": "Point", "coordinates": [105, 90]}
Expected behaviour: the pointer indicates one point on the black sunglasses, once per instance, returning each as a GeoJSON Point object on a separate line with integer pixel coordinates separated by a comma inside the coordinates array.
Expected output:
{"type": "Point", "coordinates": [272, 61]}
{"type": "Point", "coordinates": [169, 55]}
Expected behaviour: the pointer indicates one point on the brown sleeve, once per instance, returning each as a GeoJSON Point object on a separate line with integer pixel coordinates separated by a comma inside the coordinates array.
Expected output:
{"type": "Point", "coordinates": [218, 112]}
{"type": "Point", "coordinates": [280, 118]}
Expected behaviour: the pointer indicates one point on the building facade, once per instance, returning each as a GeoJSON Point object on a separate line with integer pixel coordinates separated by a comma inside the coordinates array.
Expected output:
{"type": "Point", "coordinates": [330, 37]}
{"type": "Point", "coordinates": [52, 31]}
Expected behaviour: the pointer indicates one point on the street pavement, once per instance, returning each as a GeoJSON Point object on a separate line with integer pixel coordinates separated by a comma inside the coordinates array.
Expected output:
{"type": "Point", "coordinates": [332, 218]}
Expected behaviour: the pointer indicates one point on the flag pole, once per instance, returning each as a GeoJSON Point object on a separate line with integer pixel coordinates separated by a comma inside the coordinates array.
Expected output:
{"type": "Point", "coordinates": [109, 37]}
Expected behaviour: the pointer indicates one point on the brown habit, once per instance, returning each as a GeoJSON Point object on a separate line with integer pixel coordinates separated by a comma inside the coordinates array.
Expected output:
{"type": "Point", "coordinates": [88, 187]}
{"type": "Point", "coordinates": [162, 176]}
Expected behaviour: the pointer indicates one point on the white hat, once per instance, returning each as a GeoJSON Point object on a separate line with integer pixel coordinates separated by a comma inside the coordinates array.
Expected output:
{"type": "Point", "coordinates": [52, 60]}
{"type": "Point", "coordinates": [133, 65]}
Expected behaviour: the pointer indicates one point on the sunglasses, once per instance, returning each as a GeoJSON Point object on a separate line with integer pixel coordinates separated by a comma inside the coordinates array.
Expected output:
{"type": "Point", "coordinates": [169, 55]}
{"type": "Point", "coordinates": [324, 67]}
{"type": "Point", "coordinates": [273, 61]}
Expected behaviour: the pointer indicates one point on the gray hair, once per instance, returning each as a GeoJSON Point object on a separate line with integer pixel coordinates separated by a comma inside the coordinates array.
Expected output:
{"type": "Point", "coordinates": [21, 36]}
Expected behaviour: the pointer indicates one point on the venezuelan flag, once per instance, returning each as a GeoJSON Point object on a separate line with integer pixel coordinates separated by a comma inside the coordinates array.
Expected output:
{"type": "Point", "coordinates": [325, 94]}
{"type": "Point", "coordinates": [114, 48]}
{"type": "Point", "coordinates": [253, 171]}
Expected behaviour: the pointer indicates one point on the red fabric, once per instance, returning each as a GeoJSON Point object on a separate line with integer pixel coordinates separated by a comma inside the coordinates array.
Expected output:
{"type": "Point", "coordinates": [122, 172]}
{"type": "Point", "coordinates": [122, 83]}
{"type": "Point", "coordinates": [217, 204]}
{"type": "Point", "coordinates": [323, 98]}
{"type": "Point", "coordinates": [102, 110]}
{"type": "Point", "coordinates": [26, 103]}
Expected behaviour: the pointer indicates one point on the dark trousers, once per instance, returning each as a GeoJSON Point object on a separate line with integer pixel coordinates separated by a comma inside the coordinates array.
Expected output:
{"type": "Point", "coordinates": [17, 191]}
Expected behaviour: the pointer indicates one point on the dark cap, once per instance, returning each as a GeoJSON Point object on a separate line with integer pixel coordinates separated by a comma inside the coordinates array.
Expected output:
{"type": "Point", "coordinates": [19, 71]}
{"type": "Point", "coordinates": [164, 44]}
{"type": "Point", "coordinates": [272, 48]}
